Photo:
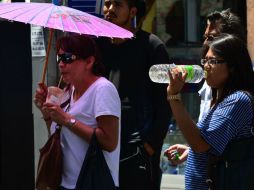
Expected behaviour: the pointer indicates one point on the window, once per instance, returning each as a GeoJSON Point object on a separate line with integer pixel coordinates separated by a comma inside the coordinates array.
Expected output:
{"type": "Point", "coordinates": [181, 23]}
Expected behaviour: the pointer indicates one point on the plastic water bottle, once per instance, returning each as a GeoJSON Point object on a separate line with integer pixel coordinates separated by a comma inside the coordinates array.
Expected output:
{"type": "Point", "coordinates": [159, 73]}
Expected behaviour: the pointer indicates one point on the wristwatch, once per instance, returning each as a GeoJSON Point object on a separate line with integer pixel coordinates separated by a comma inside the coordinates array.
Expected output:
{"type": "Point", "coordinates": [176, 97]}
{"type": "Point", "coordinates": [72, 122]}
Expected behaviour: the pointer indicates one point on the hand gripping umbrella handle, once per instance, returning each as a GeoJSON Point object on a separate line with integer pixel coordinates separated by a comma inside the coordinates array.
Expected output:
{"type": "Point", "coordinates": [47, 56]}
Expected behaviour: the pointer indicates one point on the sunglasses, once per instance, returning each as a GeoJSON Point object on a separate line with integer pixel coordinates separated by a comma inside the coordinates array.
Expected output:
{"type": "Point", "coordinates": [66, 58]}
{"type": "Point", "coordinates": [211, 61]}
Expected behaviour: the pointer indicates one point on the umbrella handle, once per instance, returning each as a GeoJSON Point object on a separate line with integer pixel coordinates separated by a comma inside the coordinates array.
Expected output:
{"type": "Point", "coordinates": [47, 56]}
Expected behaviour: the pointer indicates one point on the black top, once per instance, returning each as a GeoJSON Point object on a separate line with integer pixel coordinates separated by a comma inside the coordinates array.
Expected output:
{"type": "Point", "coordinates": [144, 106]}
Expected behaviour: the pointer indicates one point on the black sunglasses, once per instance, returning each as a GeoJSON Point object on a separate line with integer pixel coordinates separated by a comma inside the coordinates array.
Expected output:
{"type": "Point", "coordinates": [66, 58]}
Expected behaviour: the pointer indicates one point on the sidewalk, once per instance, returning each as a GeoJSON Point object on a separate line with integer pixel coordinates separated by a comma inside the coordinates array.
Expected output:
{"type": "Point", "coordinates": [172, 182]}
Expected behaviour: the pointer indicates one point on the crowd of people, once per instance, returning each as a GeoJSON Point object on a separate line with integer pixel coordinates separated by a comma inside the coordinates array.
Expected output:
{"type": "Point", "coordinates": [108, 91]}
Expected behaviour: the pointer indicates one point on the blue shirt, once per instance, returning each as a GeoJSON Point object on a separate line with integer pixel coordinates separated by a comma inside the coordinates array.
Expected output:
{"type": "Point", "coordinates": [230, 119]}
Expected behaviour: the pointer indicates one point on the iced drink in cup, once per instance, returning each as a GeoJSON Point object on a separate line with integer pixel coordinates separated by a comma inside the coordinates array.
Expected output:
{"type": "Point", "coordinates": [55, 95]}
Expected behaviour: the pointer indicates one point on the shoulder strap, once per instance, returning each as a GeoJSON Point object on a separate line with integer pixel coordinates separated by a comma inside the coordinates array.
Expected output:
{"type": "Point", "coordinates": [237, 150]}
{"type": "Point", "coordinates": [252, 103]}
{"type": "Point", "coordinates": [241, 148]}
{"type": "Point", "coordinates": [63, 105]}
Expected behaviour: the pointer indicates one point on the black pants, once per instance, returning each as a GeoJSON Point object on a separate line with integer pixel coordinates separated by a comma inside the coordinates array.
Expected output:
{"type": "Point", "coordinates": [62, 188]}
{"type": "Point", "coordinates": [138, 171]}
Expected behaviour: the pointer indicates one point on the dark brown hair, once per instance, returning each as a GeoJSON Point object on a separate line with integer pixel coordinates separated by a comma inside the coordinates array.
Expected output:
{"type": "Point", "coordinates": [235, 53]}
{"type": "Point", "coordinates": [82, 46]}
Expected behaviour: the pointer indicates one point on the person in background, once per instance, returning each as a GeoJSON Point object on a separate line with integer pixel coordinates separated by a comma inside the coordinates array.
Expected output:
{"type": "Point", "coordinates": [217, 23]}
{"type": "Point", "coordinates": [94, 104]}
{"type": "Point", "coordinates": [228, 68]}
{"type": "Point", "coordinates": [174, 22]}
{"type": "Point", "coordinates": [145, 117]}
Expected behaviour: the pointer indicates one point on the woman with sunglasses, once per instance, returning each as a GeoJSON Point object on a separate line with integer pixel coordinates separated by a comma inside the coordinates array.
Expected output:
{"type": "Point", "coordinates": [93, 104]}
{"type": "Point", "coordinates": [228, 69]}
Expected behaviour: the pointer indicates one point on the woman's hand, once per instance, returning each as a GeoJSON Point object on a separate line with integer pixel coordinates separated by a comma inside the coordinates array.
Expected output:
{"type": "Point", "coordinates": [40, 95]}
{"type": "Point", "coordinates": [177, 81]}
{"type": "Point", "coordinates": [56, 113]}
{"type": "Point", "coordinates": [40, 99]}
{"type": "Point", "coordinates": [182, 150]}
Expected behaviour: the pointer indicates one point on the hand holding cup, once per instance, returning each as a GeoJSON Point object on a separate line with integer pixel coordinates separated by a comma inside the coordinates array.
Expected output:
{"type": "Point", "coordinates": [40, 95]}
{"type": "Point", "coordinates": [54, 95]}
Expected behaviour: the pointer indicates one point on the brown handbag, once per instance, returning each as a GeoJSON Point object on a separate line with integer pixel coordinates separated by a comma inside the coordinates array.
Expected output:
{"type": "Point", "coordinates": [49, 171]}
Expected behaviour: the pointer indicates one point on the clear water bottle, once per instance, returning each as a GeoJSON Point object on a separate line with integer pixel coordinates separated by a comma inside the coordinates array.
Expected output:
{"type": "Point", "coordinates": [159, 73]}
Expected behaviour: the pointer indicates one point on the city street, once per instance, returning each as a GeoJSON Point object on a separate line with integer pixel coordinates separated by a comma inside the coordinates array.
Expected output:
{"type": "Point", "coordinates": [172, 182]}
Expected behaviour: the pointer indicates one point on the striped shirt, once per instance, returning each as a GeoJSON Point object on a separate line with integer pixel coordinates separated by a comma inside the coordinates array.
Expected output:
{"type": "Point", "coordinates": [230, 119]}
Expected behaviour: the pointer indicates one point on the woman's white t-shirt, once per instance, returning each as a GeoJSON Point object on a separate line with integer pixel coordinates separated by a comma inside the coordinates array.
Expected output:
{"type": "Point", "coordinates": [101, 98]}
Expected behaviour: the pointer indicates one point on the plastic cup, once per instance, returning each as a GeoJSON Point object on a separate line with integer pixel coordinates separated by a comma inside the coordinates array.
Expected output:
{"type": "Point", "coordinates": [54, 95]}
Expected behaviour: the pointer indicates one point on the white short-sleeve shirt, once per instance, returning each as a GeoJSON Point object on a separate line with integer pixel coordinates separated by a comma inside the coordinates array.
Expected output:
{"type": "Point", "coordinates": [206, 97]}
{"type": "Point", "coordinates": [101, 98]}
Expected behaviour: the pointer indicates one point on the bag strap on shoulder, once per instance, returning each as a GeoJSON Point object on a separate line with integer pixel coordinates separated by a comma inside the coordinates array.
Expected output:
{"type": "Point", "coordinates": [252, 103]}
{"type": "Point", "coordinates": [240, 149]}
{"type": "Point", "coordinates": [63, 105]}
{"type": "Point", "coordinates": [236, 150]}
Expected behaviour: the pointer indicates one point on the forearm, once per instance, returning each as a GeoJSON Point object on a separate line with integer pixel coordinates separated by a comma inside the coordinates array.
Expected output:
{"type": "Point", "coordinates": [81, 129]}
{"type": "Point", "coordinates": [48, 121]}
{"type": "Point", "coordinates": [48, 124]}
{"type": "Point", "coordinates": [107, 135]}
{"type": "Point", "coordinates": [156, 136]}
{"type": "Point", "coordinates": [188, 127]}
{"type": "Point", "coordinates": [106, 141]}
{"type": "Point", "coordinates": [159, 116]}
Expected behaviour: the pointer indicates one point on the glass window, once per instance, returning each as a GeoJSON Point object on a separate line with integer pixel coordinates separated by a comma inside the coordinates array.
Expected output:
{"type": "Point", "coordinates": [182, 22]}
{"type": "Point", "coordinates": [170, 22]}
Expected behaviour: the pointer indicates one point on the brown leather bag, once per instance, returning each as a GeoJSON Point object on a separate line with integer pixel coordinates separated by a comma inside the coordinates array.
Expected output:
{"type": "Point", "coordinates": [49, 171]}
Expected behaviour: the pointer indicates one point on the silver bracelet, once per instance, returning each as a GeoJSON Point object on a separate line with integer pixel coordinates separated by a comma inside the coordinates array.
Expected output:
{"type": "Point", "coordinates": [175, 97]}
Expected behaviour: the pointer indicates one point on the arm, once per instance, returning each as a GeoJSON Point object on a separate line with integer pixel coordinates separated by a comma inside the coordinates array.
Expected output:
{"type": "Point", "coordinates": [159, 112]}
{"type": "Point", "coordinates": [160, 117]}
{"type": "Point", "coordinates": [185, 123]}
{"type": "Point", "coordinates": [106, 111]}
{"type": "Point", "coordinates": [106, 132]}
{"type": "Point", "coordinates": [39, 100]}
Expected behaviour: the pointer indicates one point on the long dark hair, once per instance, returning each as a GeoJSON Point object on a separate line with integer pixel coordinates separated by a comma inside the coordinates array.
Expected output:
{"type": "Point", "coordinates": [236, 55]}
{"type": "Point", "coordinates": [82, 46]}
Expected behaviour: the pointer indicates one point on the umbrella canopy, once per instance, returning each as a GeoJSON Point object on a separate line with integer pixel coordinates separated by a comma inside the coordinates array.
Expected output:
{"type": "Point", "coordinates": [53, 16]}
{"type": "Point", "coordinates": [61, 18]}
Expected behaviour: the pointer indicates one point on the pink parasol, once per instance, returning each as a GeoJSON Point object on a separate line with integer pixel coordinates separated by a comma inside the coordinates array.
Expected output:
{"type": "Point", "coordinates": [62, 18]}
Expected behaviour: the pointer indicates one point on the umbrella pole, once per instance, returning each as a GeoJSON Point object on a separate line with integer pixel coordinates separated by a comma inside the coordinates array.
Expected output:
{"type": "Point", "coordinates": [47, 56]}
